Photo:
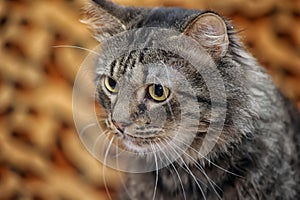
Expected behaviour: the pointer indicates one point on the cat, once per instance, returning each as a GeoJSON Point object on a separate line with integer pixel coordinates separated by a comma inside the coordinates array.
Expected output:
{"type": "Point", "coordinates": [146, 91]}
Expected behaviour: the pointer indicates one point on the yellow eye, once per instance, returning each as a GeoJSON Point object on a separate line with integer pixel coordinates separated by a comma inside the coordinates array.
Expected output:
{"type": "Point", "coordinates": [110, 84]}
{"type": "Point", "coordinates": [158, 92]}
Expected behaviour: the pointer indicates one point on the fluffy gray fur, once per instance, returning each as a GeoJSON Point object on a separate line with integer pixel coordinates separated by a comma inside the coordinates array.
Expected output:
{"type": "Point", "coordinates": [257, 154]}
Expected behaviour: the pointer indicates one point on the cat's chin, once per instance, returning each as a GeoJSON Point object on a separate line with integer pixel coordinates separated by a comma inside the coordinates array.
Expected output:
{"type": "Point", "coordinates": [138, 143]}
{"type": "Point", "coordinates": [136, 146]}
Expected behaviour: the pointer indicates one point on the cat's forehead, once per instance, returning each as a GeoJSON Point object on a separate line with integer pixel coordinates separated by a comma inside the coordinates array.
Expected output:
{"type": "Point", "coordinates": [138, 62]}
{"type": "Point", "coordinates": [139, 73]}
{"type": "Point", "coordinates": [145, 66]}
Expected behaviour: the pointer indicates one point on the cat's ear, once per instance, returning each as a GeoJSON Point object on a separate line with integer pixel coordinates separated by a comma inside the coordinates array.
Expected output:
{"type": "Point", "coordinates": [106, 18]}
{"type": "Point", "coordinates": [210, 31]}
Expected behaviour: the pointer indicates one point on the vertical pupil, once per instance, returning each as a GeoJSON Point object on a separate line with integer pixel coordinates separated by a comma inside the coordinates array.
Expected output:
{"type": "Point", "coordinates": [112, 83]}
{"type": "Point", "coordinates": [158, 90]}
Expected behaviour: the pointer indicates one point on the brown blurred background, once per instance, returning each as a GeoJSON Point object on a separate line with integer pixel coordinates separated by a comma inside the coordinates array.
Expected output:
{"type": "Point", "coordinates": [41, 156]}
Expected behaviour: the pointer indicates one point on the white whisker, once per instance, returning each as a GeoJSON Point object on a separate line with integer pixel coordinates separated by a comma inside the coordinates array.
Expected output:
{"type": "Point", "coordinates": [104, 165]}
{"type": "Point", "coordinates": [156, 177]}
{"type": "Point", "coordinates": [76, 47]}
{"type": "Point", "coordinates": [97, 139]}
{"type": "Point", "coordinates": [117, 163]}
{"type": "Point", "coordinates": [190, 172]}
{"type": "Point", "coordinates": [200, 168]}
{"type": "Point", "coordinates": [180, 181]}
{"type": "Point", "coordinates": [86, 127]}
{"type": "Point", "coordinates": [188, 146]}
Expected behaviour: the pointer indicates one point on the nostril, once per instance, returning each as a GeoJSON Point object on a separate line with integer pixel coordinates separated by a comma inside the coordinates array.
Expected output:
{"type": "Point", "coordinates": [120, 125]}
{"type": "Point", "coordinates": [134, 115]}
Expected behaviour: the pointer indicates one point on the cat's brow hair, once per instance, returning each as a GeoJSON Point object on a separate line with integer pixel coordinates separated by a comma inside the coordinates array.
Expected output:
{"type": "Point", "coordinates": [144, 56]}
{"type": "Point", "coordinates": [121, 65]}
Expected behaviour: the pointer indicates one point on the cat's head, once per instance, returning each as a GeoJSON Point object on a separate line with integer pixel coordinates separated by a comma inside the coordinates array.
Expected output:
{"type": "Point", "coordinates": [155, 97]}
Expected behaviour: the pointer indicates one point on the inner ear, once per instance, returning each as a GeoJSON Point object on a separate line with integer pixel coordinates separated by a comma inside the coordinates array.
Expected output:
{"type": "Point", "coordinates": [210, 31]}
{"type": "Point", "coordinates": [102, 22]}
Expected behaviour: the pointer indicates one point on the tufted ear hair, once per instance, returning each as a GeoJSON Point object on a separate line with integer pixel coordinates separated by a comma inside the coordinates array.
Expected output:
{"type": "Point", "coordinates": [210, 31]}
{"type": "Point", "coordinates": [106, 18]}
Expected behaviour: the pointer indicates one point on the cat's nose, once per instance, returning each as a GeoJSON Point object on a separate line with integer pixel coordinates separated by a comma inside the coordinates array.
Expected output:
{"type": "Point", "coordinates": [120, 125]}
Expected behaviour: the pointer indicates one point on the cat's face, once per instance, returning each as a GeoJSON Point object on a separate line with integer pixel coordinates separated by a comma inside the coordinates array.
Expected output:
{"type": "Point", "coordinates": [141, 104]}
{"type": "Point", "coordinates": [154, 98]}
{"type": "Point", "coordinates": [147, 102]}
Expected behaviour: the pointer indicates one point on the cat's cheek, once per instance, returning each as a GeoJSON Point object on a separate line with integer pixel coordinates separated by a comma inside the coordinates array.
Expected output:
{"type": "Point", "coordinates": [104, 99]}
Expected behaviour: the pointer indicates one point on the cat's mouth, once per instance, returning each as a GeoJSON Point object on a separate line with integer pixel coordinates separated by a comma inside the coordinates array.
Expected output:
{"type": "Point", "coordinates": [138, 141]}
{"type": "Point", "coordinates": [144, 135]}
{"type": "Point", "coordinates": [138, 132]}
{"type": "Point", "coordinates": [134, 131]}
{"type": "Point", "coordinates": [139, 136]}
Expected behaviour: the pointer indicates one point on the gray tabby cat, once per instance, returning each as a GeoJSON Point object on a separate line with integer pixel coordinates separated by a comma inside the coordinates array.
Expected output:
{"type": "Point", "coordinates": [256, 155]}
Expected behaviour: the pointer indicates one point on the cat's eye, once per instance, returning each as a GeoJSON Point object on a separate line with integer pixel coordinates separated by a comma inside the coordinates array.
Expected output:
{"type": "Point", "coordinates": [110, 84]}
{"type": "Point", "coordinates": [158, 92]}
